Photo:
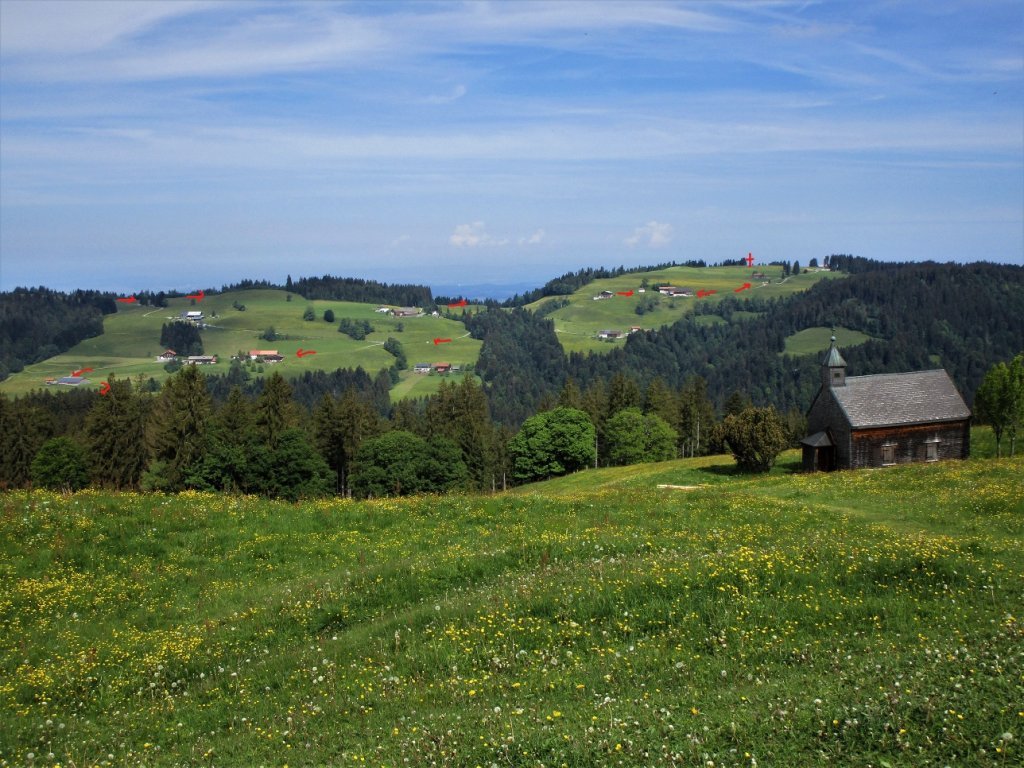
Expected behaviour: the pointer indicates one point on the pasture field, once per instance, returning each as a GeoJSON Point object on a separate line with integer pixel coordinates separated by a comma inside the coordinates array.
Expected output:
{"type": "Point", "coordinates": [817, 339]}
{"type": "Point", "coordinates": [131, 339]}
{"type": "Point", "coordinates": [579, 323]}
{"type": "Point", "coordinates": [855, 618]}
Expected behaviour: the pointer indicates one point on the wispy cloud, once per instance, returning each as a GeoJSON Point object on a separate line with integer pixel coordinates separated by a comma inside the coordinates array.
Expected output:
{"type": "Point", "coordinates": [455, 94]}
{"type": "Point", "coordinates": [534, 239]}
{"type": "Point", "coordinates": [653, 234]}
{"type": "Point", "coordinates": [343, 127]}
{"type": "Point", "coordinates": [473, 235]}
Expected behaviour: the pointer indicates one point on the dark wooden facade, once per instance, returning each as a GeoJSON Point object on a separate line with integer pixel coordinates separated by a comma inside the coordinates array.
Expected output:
{"type": "Point", "coordinates": [904, 445]}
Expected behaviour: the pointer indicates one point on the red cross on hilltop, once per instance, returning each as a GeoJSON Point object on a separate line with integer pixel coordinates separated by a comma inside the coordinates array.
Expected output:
{"type": "Point", "coordinates": [749, 259]}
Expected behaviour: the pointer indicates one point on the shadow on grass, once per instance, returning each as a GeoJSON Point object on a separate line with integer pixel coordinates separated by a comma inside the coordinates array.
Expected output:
{"type": "Point", "coordinates": [784, 467]}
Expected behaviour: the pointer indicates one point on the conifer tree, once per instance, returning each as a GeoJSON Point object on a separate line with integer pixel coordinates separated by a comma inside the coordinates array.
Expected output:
{"type": "Point", "coordinates": [115, 436]}
{"type": "Point", "coordinates": [176, 431]}
{"type": "Point", "coordinates": [696, 417]}
{"type": "Point", "coordinates": [460, 413]}
{"type": "Point", "coordinates": [623, 392]}
{"type": "Point", "coordinates": [570, 396]}
{"type": "Point", "coordinates": [407, 415]}
{"type": "Point", "coordinates": [662, 401]}
{"type": "Point", "coordinates": [231, 442]}
{"type": "Point", "coordinates": [275, 410]}
{"type": "Point", "coordinates": [339, 428]}
{"type": "Point", "coordinates": [23, 430]}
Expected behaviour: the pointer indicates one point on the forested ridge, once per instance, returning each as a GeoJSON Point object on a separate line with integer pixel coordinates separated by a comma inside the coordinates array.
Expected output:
{"type": "Point", "coordinates": [961, 318]}
{"type": "Point", "coordinates": [38, 323]}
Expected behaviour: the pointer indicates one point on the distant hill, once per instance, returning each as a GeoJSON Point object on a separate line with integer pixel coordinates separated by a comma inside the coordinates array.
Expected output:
{"type": "Point", "coordinates": [233, 323]}
{"type": "Point", "coordinates": [632, 300]}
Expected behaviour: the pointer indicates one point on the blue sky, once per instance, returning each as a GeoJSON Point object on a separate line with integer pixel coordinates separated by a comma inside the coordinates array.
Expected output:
{"type": "Point", "coordinates": [184, 144]}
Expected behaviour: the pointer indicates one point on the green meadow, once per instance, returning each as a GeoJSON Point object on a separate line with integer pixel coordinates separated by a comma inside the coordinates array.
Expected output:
{"type": "Point", "coordinates": [130, 343]}
{"type": "Point", "coordinates": [579, 323]}
{"type": "Point", "coordinates": [855, 618]}
{"type": "Point", "coordinates": [817, 339]}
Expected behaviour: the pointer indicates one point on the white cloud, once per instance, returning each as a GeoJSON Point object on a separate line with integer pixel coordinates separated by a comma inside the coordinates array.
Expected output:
{"type": "Point", "coordinates": [64, 27]}
{"type": "Point", "coordinates": [535, 239]}
{"type": "Point", "coordinates": [653, 234]}
{"type": "Point", "coordinates": [455, 94]}
{"type": "Point", "coordinates": [473, 236]}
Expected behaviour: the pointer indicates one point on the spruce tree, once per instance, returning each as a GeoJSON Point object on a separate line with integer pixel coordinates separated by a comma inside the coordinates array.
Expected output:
{"type": "Point", "coordinates": [339, 429]}
{"type": "Point", "coordinates": [115, 436]}
{"type": "Point", "coordinates": [275, 411]}
{"type": "Point", "coordinates": [176, 431]}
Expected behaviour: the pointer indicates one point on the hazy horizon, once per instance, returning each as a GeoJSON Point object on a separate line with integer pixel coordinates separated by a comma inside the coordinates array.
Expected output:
{"type": "Point", "coordinates": [181, 144]}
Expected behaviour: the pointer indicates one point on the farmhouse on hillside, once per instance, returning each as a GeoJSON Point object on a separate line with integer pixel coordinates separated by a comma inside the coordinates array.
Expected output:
{"type": "Point", "coordinates": [889, 418]}
{"type": "Point", "coordinates": [265, 356]}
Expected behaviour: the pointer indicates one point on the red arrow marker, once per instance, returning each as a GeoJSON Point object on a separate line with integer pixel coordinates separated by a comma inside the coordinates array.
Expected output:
{"type": "Point", "coordinates": [442, 341]}
{"type": "Point", "coordinates": [701, 294]}
{"type": "Point", "coordinates": [625, 293]}
{"type": "Point", "coordinates": [128, 300]}
{"type": "Point", "coordinates": [105, 389]}
{"type": "Point", "coordinates": [303, 352]}
{"type": "Point", "coordinates": [742, 288]}
{"type": "Point", "coordinates": [749, 259]}
{"type": "Point", "coordinates": [197, 296]}
{"type": "Point", "coordinates": [80, 371]}
{"type": "Point", "coordinates": [459, 303]}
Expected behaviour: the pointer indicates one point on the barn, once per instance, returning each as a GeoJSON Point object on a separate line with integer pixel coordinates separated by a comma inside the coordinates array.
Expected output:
{"type": "Point", "coordinates": [888, 418]}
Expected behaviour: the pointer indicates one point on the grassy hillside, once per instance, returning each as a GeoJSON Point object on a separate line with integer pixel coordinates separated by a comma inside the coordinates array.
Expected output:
{"type": "Point", "coordinates": [817, 339]}
{"type": "Point", "coordinates": [579, 323]}
{"type": "Point", "coordinates": [131, 339]}
{"type": "Point", "coordinates": [868, 618]}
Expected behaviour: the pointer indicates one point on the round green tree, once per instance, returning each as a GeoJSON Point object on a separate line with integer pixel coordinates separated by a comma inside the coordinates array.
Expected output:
{"type": "Point", "coordinates": [632, 437]}
{"type": "Point", "coordinates": [553, 443]}
{"type": "Point", "coordinates": [61, 465]}
{"type": "Point", "coordinates": [756, 437]}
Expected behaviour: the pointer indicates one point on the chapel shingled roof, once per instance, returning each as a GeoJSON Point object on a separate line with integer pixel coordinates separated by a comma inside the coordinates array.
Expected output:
{"type": "Point", "coordinates": [890, 399]}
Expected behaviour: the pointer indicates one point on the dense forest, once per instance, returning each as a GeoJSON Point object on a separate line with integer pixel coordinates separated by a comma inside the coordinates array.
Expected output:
{"type": "Point", "coordinates": [533, 411]}
{"type": "Point", "coordinates": [961, 318]}
{"type": "Point", "coordinates": [330, 288]}
{"type": "Point", "coordinates": [355, 289]}
{"type": "Point", "coordinates": [37, 323]}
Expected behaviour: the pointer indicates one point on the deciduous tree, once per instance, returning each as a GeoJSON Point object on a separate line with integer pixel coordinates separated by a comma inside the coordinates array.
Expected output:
{"type": "Point", "coordinates": [551, 444]}
{"type": "Point", "coordinates": [632, 437]}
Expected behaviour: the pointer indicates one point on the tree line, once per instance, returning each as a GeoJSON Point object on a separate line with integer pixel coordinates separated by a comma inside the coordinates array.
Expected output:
{"type": "Point", "coordinates": [37, 323]}
{"type": "Point", "coordinates": [264, 436]}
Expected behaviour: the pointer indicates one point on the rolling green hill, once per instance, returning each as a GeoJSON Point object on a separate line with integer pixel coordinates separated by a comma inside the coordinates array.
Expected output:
{"type": "Point", "coordinates": [130, 342]}
{"type": "Point", "coordinates": [853, 618]}
{"type": "Point", "coordinates": [579, 323]}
